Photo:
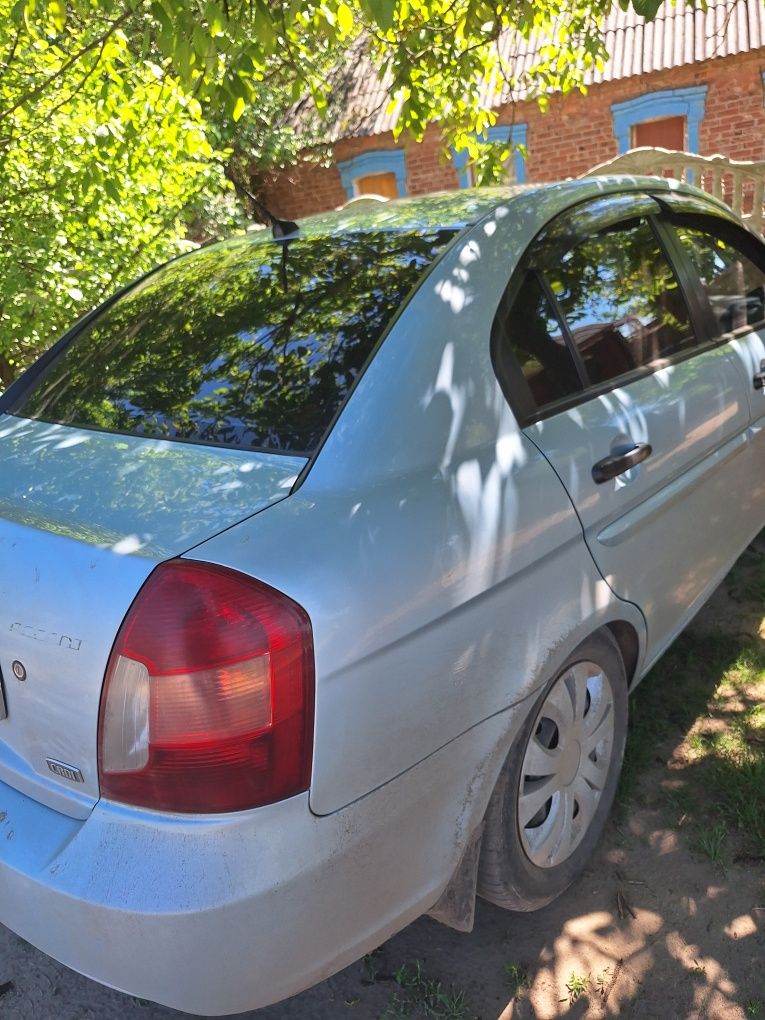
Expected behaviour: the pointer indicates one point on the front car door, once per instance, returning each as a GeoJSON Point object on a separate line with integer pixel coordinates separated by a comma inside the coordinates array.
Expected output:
{"type": "Point", "coordinates": [643, 415]}
{"type": "Point", "coordinates": [728, 265]}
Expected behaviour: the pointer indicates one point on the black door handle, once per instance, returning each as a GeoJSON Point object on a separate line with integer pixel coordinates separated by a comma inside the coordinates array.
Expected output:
{"type": "Point", "coordinates": [610, 467]}
{"type": "Point", "coordinates": [759, 377]}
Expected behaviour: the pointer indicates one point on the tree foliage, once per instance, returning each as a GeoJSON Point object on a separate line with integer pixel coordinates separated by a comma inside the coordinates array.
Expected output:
{"type": "Point", "coordinates": [117, 115]}
{"type": "Point", "coordinates": [97, 165]}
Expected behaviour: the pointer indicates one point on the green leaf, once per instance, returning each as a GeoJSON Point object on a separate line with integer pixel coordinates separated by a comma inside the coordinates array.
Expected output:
{"type": "Point", "coordinates": [57, 14]}
{"type": "Point", "coordinates": [18, 12]}
{"type": "Point", "coordinates": [201, 41]}
{"type": "Point", "coordinates": [182, 55]}
{"type": "Point", "coordinates": [166, 34]}
{"type": "Point", "coordinates": [264, 28]}
{"type": "Point", "coordinates": [215, 19]}
{"type": "Point", "coordinates": [382, 12]}
{"type": "Point", "coordinates": [647, 9]}
{"type": "Point", "coordinates": [238, 88]}
{"type": "Point", "coordinates": [345, 19]}
{"type": "Point", "coordinates": [239, 108]}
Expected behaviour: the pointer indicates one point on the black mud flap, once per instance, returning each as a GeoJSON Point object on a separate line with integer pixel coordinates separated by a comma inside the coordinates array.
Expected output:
{"type": "Point", "coordinates": [456, 907]}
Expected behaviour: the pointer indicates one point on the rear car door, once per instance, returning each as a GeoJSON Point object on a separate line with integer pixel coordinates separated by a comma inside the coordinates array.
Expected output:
{"type": "Point", "coordinates": [643, 416]}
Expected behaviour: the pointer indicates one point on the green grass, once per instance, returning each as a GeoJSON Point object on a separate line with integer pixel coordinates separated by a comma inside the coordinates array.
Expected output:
{"type": "Point", "coordinates": [371, 966]}
{"type": "Point", "coordinates": [709, 692]}
{"type": "Point", "coordinates": [670, 698]}
{"type": "Point", "coordinates": [425, 996]}
{"type": "Point", "coordinates": [517, 980]}
{"type": "Point", "coordinates": [577, 986]}
{"type": "Point", "coordinates": [711, 843]}
{"type": "Point", "coordinates": [736, 755]}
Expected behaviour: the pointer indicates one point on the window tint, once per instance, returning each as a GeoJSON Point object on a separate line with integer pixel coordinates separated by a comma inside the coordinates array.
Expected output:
{"type": "Point", "coordinates": [734, 285]}
{"type": "Point", "coordinates": [251, 345]}
{"type": "Point", "coordinates": [620, 300]}
{"type": "Point", "coordinates": [534, 336]}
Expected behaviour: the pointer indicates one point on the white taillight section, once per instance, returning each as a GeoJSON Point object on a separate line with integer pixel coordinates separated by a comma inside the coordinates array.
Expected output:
{"type": "Point", "coordinates": [208, 697]}
{"type": "Point", "coordinates": [126, 717]}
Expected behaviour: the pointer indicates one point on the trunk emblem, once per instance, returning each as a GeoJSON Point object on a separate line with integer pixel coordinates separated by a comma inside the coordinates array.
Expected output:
{"type": "Point", "coordinates": [18, 670]}
{"type": "Point", "coordinates": [60, 768]}
{"type": "Point", "coordinates": [50, 637]}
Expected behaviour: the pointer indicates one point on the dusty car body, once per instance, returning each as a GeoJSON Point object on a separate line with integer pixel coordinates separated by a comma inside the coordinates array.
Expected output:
{"type": "Point", "coordinates": [499, 512]}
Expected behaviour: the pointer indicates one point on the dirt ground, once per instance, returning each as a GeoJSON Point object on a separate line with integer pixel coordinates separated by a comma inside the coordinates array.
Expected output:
{"type": "Point", "coordinates": [656, 928]}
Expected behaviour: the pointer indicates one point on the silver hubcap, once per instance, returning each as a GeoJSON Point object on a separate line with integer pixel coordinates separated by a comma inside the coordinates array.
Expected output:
{"type": "Point", "coordinates": [566, 764]}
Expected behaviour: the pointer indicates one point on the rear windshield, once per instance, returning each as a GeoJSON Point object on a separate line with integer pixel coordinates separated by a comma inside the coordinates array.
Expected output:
{"type": "Point", "coordinates": [254, 345]}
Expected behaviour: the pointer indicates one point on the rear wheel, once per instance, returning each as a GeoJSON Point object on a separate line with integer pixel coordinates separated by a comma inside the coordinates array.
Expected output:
{"type": "Point", "coordinates": [555, 791]}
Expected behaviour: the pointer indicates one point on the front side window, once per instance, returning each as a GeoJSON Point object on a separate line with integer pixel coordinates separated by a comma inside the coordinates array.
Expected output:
{"type": "Point", "coordinates": [734, 285]}
{"type": "Point", "coordinates": [251, 345]}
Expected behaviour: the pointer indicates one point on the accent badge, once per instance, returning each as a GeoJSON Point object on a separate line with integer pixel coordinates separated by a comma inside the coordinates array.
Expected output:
{"type": "Point", "coordinates": [64, 771]}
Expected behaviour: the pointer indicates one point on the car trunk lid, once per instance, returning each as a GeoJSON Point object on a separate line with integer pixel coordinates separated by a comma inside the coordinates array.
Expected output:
{"type": "Point", "coordinates": [84, 518]}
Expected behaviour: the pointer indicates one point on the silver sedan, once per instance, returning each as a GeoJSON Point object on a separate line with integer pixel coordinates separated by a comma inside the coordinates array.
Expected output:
{"type": "Point", "coordinates": [328, 561]}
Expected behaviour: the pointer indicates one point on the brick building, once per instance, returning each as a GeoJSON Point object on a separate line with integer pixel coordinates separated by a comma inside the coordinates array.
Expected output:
{"type": "Point", "coordinates": [692, 80]}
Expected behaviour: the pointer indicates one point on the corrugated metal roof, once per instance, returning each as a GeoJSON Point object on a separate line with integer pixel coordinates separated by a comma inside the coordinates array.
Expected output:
{"type": "Point", "coordinates": [677, 36]}
{"type": "Point", "coordinates": [681, 35]}
{"type": "Point", "coordinates": [361, 99]}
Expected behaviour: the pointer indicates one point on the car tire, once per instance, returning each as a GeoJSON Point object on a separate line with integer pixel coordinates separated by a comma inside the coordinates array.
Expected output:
{"type": "Point", "coordinates": [554, 793]}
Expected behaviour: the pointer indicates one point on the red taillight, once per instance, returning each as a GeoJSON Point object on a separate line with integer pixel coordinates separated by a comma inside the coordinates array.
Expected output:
{"type": "Point", "coordinates": [208, 698]}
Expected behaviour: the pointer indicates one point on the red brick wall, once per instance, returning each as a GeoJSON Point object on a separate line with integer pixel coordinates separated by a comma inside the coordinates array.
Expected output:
{"type": "Point", "coordinates": [307, 188]}
{"type": "Point", "coordinates": [577, 131]}
{"type": "Point", "coordinates": [575, 134]}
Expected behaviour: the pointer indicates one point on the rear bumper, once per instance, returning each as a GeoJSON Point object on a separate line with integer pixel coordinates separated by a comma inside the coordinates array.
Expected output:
{"type": "Point", "coordinates": [219, 916]}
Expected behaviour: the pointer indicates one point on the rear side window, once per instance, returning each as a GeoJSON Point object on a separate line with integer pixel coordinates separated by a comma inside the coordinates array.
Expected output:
{"type": "Point", "coordinates": [592, 310]}
{"type": "Point", "coordinates": [734, 285]}
{"type": "Point", "coordinates": [536, 340]}
{"type": "Point", "coordinates": [620, 300]}
{"type": "Point", "coordinates": [253, 345]}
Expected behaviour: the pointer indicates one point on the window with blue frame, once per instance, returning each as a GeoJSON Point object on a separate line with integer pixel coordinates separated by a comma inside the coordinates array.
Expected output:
{"type": "Point", "coordinates": [382, 172]}
{"type": "Point", "coordinates": [513, 134]}
{"type": "Point", "coordinates": [670, 118]}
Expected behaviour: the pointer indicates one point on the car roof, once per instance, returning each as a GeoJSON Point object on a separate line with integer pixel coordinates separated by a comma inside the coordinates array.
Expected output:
{"type": "Point", "coordinates": [457, 209]}
{"type": "Point", "coordinates": [439, 210]}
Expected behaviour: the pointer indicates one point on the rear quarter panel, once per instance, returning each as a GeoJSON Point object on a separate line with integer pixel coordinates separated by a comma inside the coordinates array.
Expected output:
{"type": "Point", "coordinates": [437, 554]}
